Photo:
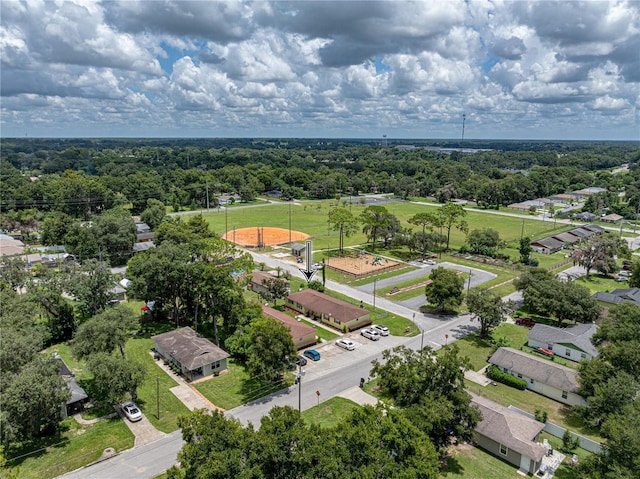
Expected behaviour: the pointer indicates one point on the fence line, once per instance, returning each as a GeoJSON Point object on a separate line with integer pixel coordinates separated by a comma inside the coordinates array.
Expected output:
{"type": "Point", "coordinates": [558, 431]}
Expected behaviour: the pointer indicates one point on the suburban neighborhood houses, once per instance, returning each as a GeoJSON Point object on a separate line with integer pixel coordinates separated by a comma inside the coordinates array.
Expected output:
{"type": "Point", "coordinates": [163, 310]}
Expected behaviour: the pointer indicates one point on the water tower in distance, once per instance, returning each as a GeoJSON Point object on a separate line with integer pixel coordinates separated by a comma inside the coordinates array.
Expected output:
{"type": "Point", "coordinates": [384, 139]}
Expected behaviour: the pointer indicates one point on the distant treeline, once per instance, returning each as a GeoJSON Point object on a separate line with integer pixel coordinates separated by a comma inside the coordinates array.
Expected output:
{"type": "Point", "coordinates": [84, 176]}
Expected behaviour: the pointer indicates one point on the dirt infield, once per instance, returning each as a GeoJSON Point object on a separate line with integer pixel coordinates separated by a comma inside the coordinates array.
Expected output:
{"type": "Point", "coordinates": [361, 265]}
{"type": "Point", "coordinates": [259, 236]}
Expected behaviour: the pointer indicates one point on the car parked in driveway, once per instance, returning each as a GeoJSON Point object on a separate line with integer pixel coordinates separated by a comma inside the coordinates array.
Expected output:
{"type": "Point", "coordinates": [383, 330]}
{"type": "Point", "coordinates": [301, 361]}
{"type": "Point", "coordinates": [526, 322]}
{"type": "Point", "coordinates": [312, 354]}
{"type": "Point", "coordinates": [131, 411]}
{"type": "Point", "coordinates": [346, 344]}
{"type": "Point", "coordinates": [371, 334]}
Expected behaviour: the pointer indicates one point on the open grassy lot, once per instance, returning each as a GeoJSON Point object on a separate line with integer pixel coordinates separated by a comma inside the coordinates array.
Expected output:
{"type": "Point", "coordinates": [329, 413]}
{"type": "Point", "coordinates": [236, 387]}
{"type": "Point", "coordinates": [469, 462]}
{"type": "Point", "coordinates": [598, 282]}
{"type": "Point", "coordinates": [311, 218]}
{"type": "Point", "coordinates": [75, 447]}
{"type": "Point", "coordinates": [138, 349]}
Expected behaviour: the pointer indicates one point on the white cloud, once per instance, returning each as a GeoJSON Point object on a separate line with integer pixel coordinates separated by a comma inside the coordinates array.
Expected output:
{"type": "Point", "coordinates": [314, 68]}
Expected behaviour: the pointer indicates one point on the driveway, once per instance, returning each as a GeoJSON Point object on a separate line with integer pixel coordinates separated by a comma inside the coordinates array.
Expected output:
{"type": "Point", "coordinates": [143, 430]}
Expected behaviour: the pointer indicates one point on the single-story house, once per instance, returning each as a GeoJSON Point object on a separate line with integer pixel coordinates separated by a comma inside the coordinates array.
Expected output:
{"type": "Point", "coordinates": [521, 207]}
{"type": "Point", "coordinates": [78, 397]}
{"type": "Point", "coordinates": [32, 259]}
{"type": "Point", "coordinates": [619, 295]}
{"type": "Point", "coordinates": [10, 246]}
{"type": "Point", "coordinates": [140, 247]}
{"type": "Point", "coordinates": [509, 435]}
{"type": "Point", "coordinates": [228, 199]}
{"type": "Point", "coordinates": [53, 260]}
{"type": "Point", "coordinates": [565, 198]}
{"type": "Point", "coordinates": [580, 233]}
{"type": "Point", "coordinates": [572, 342]}
{"type": "Point", "coordinates": [258, 278]}
{"type": "Point", "coordinates": [298, 249]}
{"type": "Point", "coordinates": [612, 218]}
{"type": "Point", "coordinates": [593, 190]}
{"type": "Point", "coordinates": [332, 311]}
{"type": "Point", "coordinates": [142, 227]}
{"type": "Point", "coordinates": [585, 216]}
{"type": "Point", "coordinates": [546, 245]}
{"type": "Point", "coordinates": [302, 334]}
{"type": "Point", "coordinates": [567, 238]}
{"type": "Point", "coordinates": [194, 355]}
{"type": "Point", "coordinates": [596, 229]}
{"type": "Point", "coordinates": [550, 379]}
{"type": "Point", "coordinates": [145, 237]}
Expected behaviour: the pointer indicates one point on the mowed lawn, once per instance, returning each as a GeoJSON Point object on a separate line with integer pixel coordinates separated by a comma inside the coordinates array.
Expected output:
{"type": "Point", "coordinates": [311, 217]}
{"type": "Point", "coordinates": [329, 413]}
{"type": "Point", "coordinates": [469, 462]}
{"type": "Point", "coordinates": [139, 350]}
{"type": "Point", "coordinates": [77, 446]}
{"type": "Point", "coordinates": [237, 387]}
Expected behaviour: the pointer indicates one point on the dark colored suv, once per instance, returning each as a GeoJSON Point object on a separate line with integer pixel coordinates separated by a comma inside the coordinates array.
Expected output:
{"type": "Point", "coordinates": [526, 322]}
{"type": "Point", "coordinates": [301, 361]}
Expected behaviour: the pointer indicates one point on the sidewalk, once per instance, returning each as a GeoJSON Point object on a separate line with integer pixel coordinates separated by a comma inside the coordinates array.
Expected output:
{"type": "Point", "coordinates": [191, 398]}
{"type": "Point", "coordinates": [358, 396]}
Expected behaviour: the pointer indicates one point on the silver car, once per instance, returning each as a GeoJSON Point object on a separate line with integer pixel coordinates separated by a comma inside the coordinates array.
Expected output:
{"type": "Point", "coordinates": [383, 330]}
{"type": "Point", "coordinates": [346, 344]}
{"type": "Point", "coordinates": [132, 411]}
{"type": "Point", "coordinates": [371, 334]}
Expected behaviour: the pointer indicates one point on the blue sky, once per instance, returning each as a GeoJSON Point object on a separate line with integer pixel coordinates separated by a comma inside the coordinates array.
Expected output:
{"type": "Point", "coordinates": [407, 69]}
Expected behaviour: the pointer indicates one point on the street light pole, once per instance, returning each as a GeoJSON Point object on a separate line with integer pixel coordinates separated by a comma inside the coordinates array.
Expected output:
{"type": "Point", "coordinates": [299, 387]}
{"type": "Point", "coordinates": [374, 293]}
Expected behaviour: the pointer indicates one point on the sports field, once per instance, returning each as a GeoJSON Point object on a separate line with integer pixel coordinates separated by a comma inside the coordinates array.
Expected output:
{"type": "Point", "coordinates": [311, 218]}
{"type": "Point", "coordinates": [261, 236]}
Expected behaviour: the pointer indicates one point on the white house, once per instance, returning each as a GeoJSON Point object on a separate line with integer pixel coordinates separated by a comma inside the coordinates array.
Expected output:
{"type": "Point", "coordinates": [572, 342]}
{"type": "Point", "coordinates": [555, 381]}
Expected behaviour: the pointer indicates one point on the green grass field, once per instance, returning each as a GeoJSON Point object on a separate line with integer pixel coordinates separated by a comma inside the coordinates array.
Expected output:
{"type": "Point", "coordinates": [468, 462]}
{"type": "Point", "coordinates": [75, 447]}
{"type": "Point", "coordinates": [236, 387]}
{"type": "Point", "coordinates": [329, 413]}
{"type": "Point", "coordinates": [138, 349]}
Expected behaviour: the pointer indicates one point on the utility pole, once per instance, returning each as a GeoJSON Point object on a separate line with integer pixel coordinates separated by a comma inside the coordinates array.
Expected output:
{"type": "Point", "coordinates": [299, 387]}
{"type": "Point", "coordinates": [464, 117]}
{"type": "Point", "coordinates": [158, 394]}
{"type": "Point", "coordinates": [207, 183]}
{"type": "Point", "coordinates": [522, 230]}
{"type": "Point", "coordinates": [469, 284]}
{"type": "Point", "coordinates": [289, 223]}
{"type": "Point", "coordinates": [374, 293]}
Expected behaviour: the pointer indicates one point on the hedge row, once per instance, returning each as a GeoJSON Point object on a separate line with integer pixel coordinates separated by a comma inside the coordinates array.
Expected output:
{"type": "Point", "coordinates": [494, 372]}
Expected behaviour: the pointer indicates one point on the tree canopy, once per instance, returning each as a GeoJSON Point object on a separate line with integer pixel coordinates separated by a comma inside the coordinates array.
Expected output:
{"type": "Point", "coordinates": [445, 289]}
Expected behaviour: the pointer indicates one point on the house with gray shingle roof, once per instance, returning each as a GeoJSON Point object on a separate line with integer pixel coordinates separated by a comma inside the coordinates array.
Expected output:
{"type": "Point", "coordinates": [509, 435]}
{"type": "Point", "coordinates": [194, 355]}
{"type": "Point", "coordinates": [546, 245]}
{"type": "Point", "coordinates": [550, 379]}
{"type": "Point", "coordinates": [619, 296]}
{"type": "Point", "coordinates": [572, 342]}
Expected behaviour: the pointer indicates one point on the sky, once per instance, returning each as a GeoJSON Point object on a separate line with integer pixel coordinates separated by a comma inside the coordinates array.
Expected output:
{"type": "Point", "coordinates": [321, 69]}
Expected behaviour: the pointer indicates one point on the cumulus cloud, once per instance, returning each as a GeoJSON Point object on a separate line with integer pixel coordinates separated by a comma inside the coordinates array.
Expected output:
{"type": "Point", "coordinates": [316, 68]}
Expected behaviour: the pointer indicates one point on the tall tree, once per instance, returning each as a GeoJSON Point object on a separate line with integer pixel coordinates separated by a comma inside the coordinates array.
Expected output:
{"type": "Point", "coordinates": [452, 215]}
{"type": "Point", "coordinates": [271, 345]}
{"type": "Point", "coordinates": [154, 213]}
{"type": "Point", "coordinates": [525, 249]}
{"type": "Point", "coordinates": [114, 378]}
{"type": "Point", "coordinates": [93, 286]}
{"type": "Point", "coordinates": [115, 233]}
{"type": "Point", "coordinates": [342, 221]}
{"type": "Point", "coordinates": [488, 308]}
{"type": "Point", "coordinates": [105, 332]}
{"type": "Point", "coordinates": [32, 401]}
{"type": "Point", "coordinates": [445, 288]}
{"type": "Point", "coordinates": [598, 254]}
{"type": "Point", "coordinates": [375, 219]}
{"type": "Point", "coordinates": [430, 388]}
{"type": "Point", "coordinates": [275, 289]}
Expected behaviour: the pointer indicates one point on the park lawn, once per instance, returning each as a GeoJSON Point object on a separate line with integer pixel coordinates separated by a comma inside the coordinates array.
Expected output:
{"type": "Point", "coordinates": [138, 349]}
{"type": "Point", "coordinates": [383, 292]}
{"type": "Point", "coordinates": [329, 413]}
{"type": "Point", "coordinates": [236, 387]}
{"type": "Point", "coordinates": [380, 276]}
{"type": "Point", "coordinates": [310, 217]}
{"type": "Point", "coordinates": [78, 446]}
{"type": "Point", "coordinates": [468, 462]}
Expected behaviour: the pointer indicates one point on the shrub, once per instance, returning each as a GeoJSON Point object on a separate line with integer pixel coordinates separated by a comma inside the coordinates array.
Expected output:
{"type": "Point", "coordinates": [541, 415]}
{"type": "Point", "coordinates": [493, 372]}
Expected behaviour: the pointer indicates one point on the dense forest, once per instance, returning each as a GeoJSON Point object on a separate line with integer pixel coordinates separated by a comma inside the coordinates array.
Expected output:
{"type": "Point", "coordinates": [81, 177]}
